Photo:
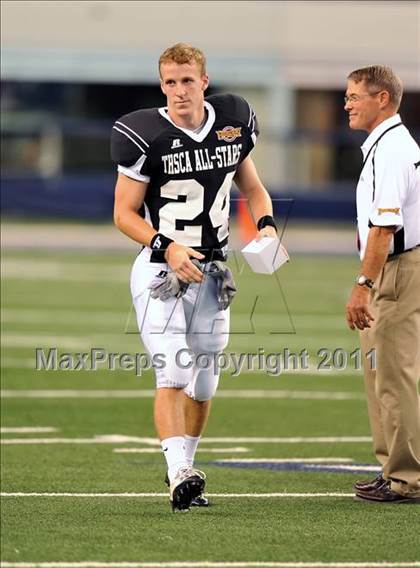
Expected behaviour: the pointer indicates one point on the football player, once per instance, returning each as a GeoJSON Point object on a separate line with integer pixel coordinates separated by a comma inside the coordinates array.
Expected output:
{"type": "Point", "coordinates": [176, 165]}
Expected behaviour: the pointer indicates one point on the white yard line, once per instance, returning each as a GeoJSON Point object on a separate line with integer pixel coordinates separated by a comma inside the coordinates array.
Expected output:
{"type": "Point", "coordinates": [28, 430]}
{"type": "Point", "coordinates": [146, 495]}
{"type": "Point", "coordinates": [149, 393]}
{"type": "Point", "coordinates": [304, 395]}
{"type": "Point", "coordinates": [367, 468]}
{"type": "Point", "coordinates": [38, 441]}
{"type": "Point", "coordinates": [237, 450]}
{"type": "Point", "coordinates": [291, 440]}
{"type": "Point", "coordinates": [120, 439]}
{"type": "Point", "coordinates": [287, 460]}
{"type": "Point", "coordinates": [208, 564]}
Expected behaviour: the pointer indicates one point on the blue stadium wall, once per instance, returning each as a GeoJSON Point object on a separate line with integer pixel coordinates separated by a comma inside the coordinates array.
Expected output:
{"type": "Point", "coordinates": [91, 198]}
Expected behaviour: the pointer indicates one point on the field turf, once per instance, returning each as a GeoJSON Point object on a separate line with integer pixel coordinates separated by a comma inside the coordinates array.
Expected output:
{"type": "Point", "coordinates": [77, 301]}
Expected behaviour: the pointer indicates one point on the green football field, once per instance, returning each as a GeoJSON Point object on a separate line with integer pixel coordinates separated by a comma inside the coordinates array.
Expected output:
{"type": "Point", "coordinates": [82, 474]}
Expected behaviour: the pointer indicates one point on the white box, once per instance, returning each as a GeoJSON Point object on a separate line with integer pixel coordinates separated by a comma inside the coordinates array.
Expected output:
{"type": "Point", "coordinates": [266, 255]}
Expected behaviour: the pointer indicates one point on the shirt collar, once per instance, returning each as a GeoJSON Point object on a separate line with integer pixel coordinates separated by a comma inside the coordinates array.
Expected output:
{"type": "Point", "coordinates": [197, 136]}
{"type": "Point", "coordinates": [380, 129]}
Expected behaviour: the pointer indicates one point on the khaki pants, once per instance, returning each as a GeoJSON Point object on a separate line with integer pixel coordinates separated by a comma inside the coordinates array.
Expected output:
{"type": "Point", "coordinates": [392, 390]}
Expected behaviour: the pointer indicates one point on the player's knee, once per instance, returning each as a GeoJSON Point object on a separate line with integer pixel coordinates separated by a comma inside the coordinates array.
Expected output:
{"type": "Point", "coordinates": [201, 395]}
{"type": "Point", "coordinates": [207, 342]}
{"type": "Point", "coordinates": [204, 387]}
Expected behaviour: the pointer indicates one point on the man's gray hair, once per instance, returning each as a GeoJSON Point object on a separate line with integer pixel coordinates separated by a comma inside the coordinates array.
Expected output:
{"type": "Point", "coordinates": [380, 77]}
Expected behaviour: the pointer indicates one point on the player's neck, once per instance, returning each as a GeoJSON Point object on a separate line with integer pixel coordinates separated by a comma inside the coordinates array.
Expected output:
{"type": "Point", "coordinates": [191, 121]}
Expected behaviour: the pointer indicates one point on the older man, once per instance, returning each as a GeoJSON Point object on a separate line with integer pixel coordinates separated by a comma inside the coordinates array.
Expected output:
{"type": "Point", "coordinates": [385, 301]}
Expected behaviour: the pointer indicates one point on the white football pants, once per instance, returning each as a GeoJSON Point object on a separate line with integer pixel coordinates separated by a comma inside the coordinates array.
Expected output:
{"type": "Point", "coordinates": [186, 333]}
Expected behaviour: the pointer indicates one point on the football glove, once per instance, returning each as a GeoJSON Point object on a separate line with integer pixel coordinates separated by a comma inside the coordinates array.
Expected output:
{"type": "Point", "coordinates": [226, 288]}
{"type": "Point", "coordinates": [167, 285]}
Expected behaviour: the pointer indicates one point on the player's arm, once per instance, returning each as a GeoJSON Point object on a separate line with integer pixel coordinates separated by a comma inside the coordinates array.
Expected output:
{"type": "Point", "coordinates": [259, 200]}
{"type": "Point", "coordinates": [129, 197]}
{"type": "Point", "coordinates": [377, 249]}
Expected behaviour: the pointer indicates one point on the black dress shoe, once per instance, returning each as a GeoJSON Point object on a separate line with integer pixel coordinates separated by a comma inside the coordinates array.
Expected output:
{"type": "Point", "coordinates": [369, 485]}
{"type": "Point", "coordinates": [384, 494]}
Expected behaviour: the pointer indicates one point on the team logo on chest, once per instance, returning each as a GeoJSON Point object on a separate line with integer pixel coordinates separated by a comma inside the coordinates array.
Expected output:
{"type": "Point", "coordinates": [229, 133]}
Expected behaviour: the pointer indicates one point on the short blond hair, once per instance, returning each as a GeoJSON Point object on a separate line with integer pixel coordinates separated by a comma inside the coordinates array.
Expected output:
{"type": "Point", "coordinates": [380, 77]}
{"type": "Point", "coordinates": [183, 53]}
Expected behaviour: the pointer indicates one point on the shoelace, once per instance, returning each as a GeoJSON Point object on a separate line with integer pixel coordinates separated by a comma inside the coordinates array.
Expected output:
{"type": "Point", "coordinates": [189, 471]}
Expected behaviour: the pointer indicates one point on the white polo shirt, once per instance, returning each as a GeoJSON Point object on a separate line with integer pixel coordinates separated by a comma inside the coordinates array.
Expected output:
{"type": "Point", "coordinates": [388, 191]}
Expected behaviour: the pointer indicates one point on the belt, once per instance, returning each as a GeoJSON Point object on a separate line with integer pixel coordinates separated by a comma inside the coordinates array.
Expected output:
{"type": "Point", "coordinates": [394, 254]}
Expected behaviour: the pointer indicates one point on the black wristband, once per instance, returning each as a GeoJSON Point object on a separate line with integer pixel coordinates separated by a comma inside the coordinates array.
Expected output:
{"type": "Point", "coordinates": [159, 244]}
{"type": "Point", "coordinates": [266, 221]}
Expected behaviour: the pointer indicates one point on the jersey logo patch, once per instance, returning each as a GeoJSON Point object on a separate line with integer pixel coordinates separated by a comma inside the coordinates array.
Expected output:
{"type": "Point", "coordinates": [395, 210]}
{"type": "Point", "coordinates": [176, 143]}
{"type": "Point", "coordinates": [229, 133]}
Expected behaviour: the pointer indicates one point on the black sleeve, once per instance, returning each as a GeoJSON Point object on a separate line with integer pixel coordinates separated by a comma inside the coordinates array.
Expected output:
{"type": "Point", "coordinates": [234, 107]}
{"type": "Point", "coordinates": [248, 116]}
{"type": "Point", "coordinates": [129, 148]}
{"type": "Point", "coordinates": [241, 110]}
{"type": "Point", "coordinates": [125, 151]}
{"type": "Point", "coordinates": [245, 114]}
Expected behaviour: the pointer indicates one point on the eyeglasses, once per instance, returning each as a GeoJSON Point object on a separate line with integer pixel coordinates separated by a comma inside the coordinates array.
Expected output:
{"type": "Point", "coordinates": [357, 98]}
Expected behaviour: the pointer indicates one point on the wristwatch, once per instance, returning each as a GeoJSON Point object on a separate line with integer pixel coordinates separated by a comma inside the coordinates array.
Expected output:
{"type": "Point", "coordinates": [363, 280]}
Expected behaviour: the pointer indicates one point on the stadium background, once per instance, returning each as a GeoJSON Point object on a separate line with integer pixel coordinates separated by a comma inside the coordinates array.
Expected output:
{"type": "Point", "coordinates": [69, 69]}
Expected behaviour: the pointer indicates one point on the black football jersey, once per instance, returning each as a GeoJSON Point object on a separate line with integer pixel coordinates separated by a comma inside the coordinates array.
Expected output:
{"type": "Point", "coordinates": [189, 174]}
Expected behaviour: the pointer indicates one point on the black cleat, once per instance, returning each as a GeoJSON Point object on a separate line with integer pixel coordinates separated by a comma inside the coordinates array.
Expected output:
{"type": "Point", "coordinates": [187, 485]}
{"type": "Point", "coordinates": [198, 501]}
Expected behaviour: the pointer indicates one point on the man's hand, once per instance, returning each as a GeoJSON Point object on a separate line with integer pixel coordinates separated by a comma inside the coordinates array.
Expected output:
{"type": "Point", "coordinates": [178, 258]}
{"type": "Point", "coordinates": [357, 309]}
{"type": "Point", "coordinates": [267, 231]}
